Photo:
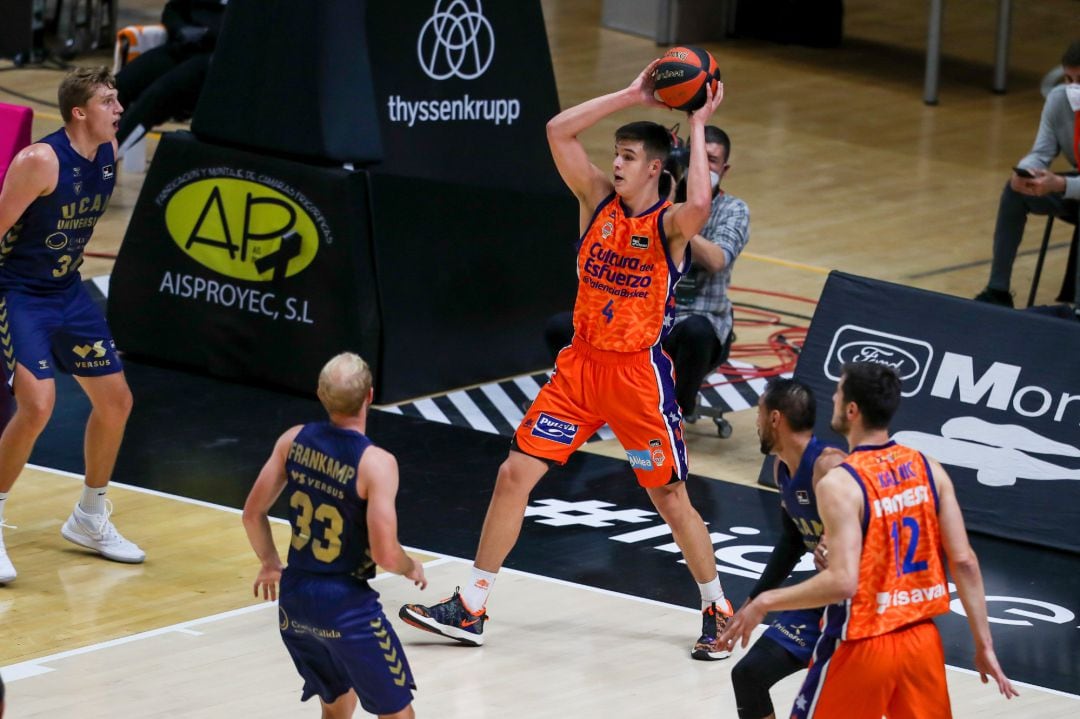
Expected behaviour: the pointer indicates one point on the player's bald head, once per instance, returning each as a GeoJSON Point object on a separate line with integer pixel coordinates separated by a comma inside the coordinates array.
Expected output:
{"type": "Point", "coordinates": [345, 384]}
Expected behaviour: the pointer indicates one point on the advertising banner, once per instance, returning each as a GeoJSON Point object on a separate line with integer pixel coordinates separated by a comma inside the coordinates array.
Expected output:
{"type": "Point", "coordinates": [464, 90]}
{"type": "Point", "coordinates": [991, 393]}
{"type": "Point", "coordinates": [251, 267]}
{"type": "Point", "coordinates": [439, 259]}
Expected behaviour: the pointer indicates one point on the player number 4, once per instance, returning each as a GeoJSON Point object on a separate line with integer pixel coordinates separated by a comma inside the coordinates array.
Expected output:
{"type": "Point", "coordinates": [608, 310]}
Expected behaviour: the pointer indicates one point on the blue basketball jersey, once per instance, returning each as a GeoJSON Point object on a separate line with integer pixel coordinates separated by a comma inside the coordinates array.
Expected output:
{"type": "Point", "coordinates": [328, 517]}
{"type": "Point", "coordinates": [797, 631]}
{"type": "Point", "coordinates": [44, 249]}
{"type": "Point", "coordinates": [797, 494]}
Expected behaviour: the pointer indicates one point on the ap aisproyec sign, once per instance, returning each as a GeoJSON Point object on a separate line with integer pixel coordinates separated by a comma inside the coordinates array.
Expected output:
{"type": "Point", "coordinates": [247, 266]}
{"type": "Point", "coordinates": [993, 394]}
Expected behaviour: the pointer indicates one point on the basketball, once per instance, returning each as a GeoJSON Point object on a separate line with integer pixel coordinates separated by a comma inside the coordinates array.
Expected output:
{"type": "Point", "coordinates": [680, 77]}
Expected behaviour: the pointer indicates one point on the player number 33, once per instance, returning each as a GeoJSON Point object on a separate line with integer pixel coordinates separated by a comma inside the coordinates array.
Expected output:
{"type": "Point", "coordinates": [328, 547]}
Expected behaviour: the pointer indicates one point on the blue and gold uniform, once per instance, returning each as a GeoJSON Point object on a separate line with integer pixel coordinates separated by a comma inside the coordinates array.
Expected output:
{"type": "Point", "coordinates": [331, 619]}
{"type": "Point", "coordinates": [47, 320]}
{"type": "Point", "coordinates": [798, 630]}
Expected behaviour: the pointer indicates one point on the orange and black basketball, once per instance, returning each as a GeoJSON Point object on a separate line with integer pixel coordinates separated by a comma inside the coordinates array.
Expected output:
{"type": "Point", "coordinates": [681, 75]}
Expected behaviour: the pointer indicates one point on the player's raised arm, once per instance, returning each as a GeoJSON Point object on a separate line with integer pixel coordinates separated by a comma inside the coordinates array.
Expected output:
{"type": "Point", "coordinates": [32, 173]}
{"type": "Point", "coordinates": [263, 494]}
{"type": "Point", "coordinates": [684, 220]}
{"type": "Point", "coordinates": [586, 180]}
{"type": "Point", "coordinates": [377, 481]}
{"type": "Point", "coordinates": [964, 568]}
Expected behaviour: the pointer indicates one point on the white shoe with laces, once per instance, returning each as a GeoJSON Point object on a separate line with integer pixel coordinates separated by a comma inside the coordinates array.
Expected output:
{"type": "Point", "coordinates": [7, 569]}
{"type": "Point", "coordinates": [95, 531]}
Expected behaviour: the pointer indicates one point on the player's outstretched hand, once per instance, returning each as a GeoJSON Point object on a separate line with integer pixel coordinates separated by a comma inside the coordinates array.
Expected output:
{"type": "Point", "coordinates": [712, 101]}
{"type": "Point", "coordinates": [645, 85]}
{"type": "Point", "coordinates": [742, 625]}
{"type": "Point", "coordinates": [986, 663]}
{"type": "Point", "coordinates": [267, 581]}
{"type": "Point", "coordinates": [416, 574]}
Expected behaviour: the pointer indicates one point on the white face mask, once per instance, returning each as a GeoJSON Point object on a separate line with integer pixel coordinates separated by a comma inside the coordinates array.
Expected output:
{"type": "Point", "coordinates": [1072, 91]}
{"type": "Point", "coordinates": [714, 178]}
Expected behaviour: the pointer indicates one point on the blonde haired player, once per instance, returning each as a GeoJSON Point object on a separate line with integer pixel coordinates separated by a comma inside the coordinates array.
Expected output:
{"type": "Point", "coordinates": [341, 491]}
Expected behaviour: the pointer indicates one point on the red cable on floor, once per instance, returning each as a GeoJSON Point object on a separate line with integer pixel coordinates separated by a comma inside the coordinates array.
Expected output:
{"type": "Point", "coordinates": [783, 345]}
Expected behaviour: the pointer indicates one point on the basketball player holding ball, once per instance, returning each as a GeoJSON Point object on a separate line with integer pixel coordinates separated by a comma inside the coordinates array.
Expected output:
{"type": "Point", "coordinates": [633, 249]}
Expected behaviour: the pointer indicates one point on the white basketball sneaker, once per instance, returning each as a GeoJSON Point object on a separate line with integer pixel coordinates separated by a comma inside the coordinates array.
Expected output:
{"type": "Point", "coordinates": [95, 531]}
{"type": "Point", "coordinates": [7, 570]}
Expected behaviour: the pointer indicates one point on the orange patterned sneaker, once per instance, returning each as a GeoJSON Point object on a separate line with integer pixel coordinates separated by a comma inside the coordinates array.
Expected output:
{"type": "Point", "coordinates": [713, 621]}
{"type": "Point", "coordinates": [450, 618]}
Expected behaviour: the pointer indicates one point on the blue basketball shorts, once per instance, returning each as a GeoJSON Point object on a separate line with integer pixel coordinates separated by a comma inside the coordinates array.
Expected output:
{"type": "Point", "coordinates": [63, 331]}
{"type": "Point", "coordinates": [797, 631]}
{"type": "Point", "coordinates": [339, 639]}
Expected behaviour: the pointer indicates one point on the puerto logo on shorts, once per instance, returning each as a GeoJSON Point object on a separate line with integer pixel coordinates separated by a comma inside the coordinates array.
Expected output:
{"type": "Point", "coordinates": [554, 430]}
{"type": "Point", "coordinates": [639, 459]}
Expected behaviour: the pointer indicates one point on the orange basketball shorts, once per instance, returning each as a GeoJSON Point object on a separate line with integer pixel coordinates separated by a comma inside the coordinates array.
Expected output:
{"type": "Point", "coordinates": [900, 675]}
{"type": "Point", "coordinates": [633, 392]}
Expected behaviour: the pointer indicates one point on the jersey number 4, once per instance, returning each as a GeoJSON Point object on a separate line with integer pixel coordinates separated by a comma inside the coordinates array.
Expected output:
{"type": "Point", "coordinates": [327, 548]}
{"type": "Point", "coordinates": [609, 311]}
{"type": "Point", "coordinates": [908, 565]}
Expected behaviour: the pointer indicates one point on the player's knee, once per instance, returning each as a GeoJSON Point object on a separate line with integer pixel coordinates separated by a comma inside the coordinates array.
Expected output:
{"type": "Point", "coordinates": [743, 674]}
{"type": "Point", "coordinates": [673, 503]}
{"type": "Point", "coordinates": [512, 479]}
{"type": "Point", "coordinates": [751, 690]}
{"type": "Point", "coordinates": [34, 411]}
{"type": "Point", "coordinates": [116, 406]}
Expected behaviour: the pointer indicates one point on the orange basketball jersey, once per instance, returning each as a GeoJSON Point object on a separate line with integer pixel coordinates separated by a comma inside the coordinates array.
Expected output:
{"type": "Point", "coordinates": [626, 279]}
{"type": "Point", "coordinates": [901, 572]}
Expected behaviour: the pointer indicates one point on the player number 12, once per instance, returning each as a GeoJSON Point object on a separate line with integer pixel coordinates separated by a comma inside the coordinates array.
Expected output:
{"type": "Point", "coordinates": [908, 565]}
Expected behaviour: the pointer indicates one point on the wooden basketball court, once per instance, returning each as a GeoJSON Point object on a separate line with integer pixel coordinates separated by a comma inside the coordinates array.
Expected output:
{"type": "Point", "coordinates": [182, 635]}
{"type": "Point", "coordinates": [842, 166]}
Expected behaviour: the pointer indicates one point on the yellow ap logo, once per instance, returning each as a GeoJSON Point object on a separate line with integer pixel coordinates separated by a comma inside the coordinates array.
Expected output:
{"type": "Point", "coordinates": [242, 229]}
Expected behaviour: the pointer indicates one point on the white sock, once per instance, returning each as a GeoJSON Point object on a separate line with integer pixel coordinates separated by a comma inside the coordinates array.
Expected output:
{"type": "Point", "coordinates": [93, 500]}
{"type": "Point", "coordinates": [3, 499]}
{"type": "Point", "coordinates": [712, 592]}
{"type": "Point", "coordinates": [475, 595]}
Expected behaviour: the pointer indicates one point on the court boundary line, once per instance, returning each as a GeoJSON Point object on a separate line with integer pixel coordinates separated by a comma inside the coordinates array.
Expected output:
{"type": "Point", "coordinates": [31, 668]}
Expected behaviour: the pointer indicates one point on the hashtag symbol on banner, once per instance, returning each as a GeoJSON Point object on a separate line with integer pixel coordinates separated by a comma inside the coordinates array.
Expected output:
{"type": "Point", "coordinates": [591, 513]}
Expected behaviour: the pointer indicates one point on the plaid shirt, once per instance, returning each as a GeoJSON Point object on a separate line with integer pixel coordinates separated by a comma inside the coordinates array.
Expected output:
{"type": "Point", "coordinates": [701, 293]}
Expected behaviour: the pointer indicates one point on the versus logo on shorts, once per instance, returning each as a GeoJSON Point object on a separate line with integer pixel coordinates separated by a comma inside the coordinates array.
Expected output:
{"type": "Point", "coordinates": [98, 349]}
{"type": "Point", "coordinates": [554, 430]}
{"type": "Point", "coordinates": [640, 459]}
{"type": "Point", "coordinates": [243, 229]}
{"type": "Point", "coordinates": [640, 242]}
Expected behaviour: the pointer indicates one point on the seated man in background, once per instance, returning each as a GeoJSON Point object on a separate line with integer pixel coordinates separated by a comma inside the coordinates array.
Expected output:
{"type": "Point", "coordinates": [703, 333]}
{"type": "Point", "coordinates": [1036, 190]}
{"type": "Point", "coordinates": [164, 83]}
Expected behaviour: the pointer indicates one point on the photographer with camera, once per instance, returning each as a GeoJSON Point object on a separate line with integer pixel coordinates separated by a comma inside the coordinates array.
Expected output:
{"type": "Point", "coordinates": [703, 333]}
{"type": "Point", "coordinates": [704, 322]}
